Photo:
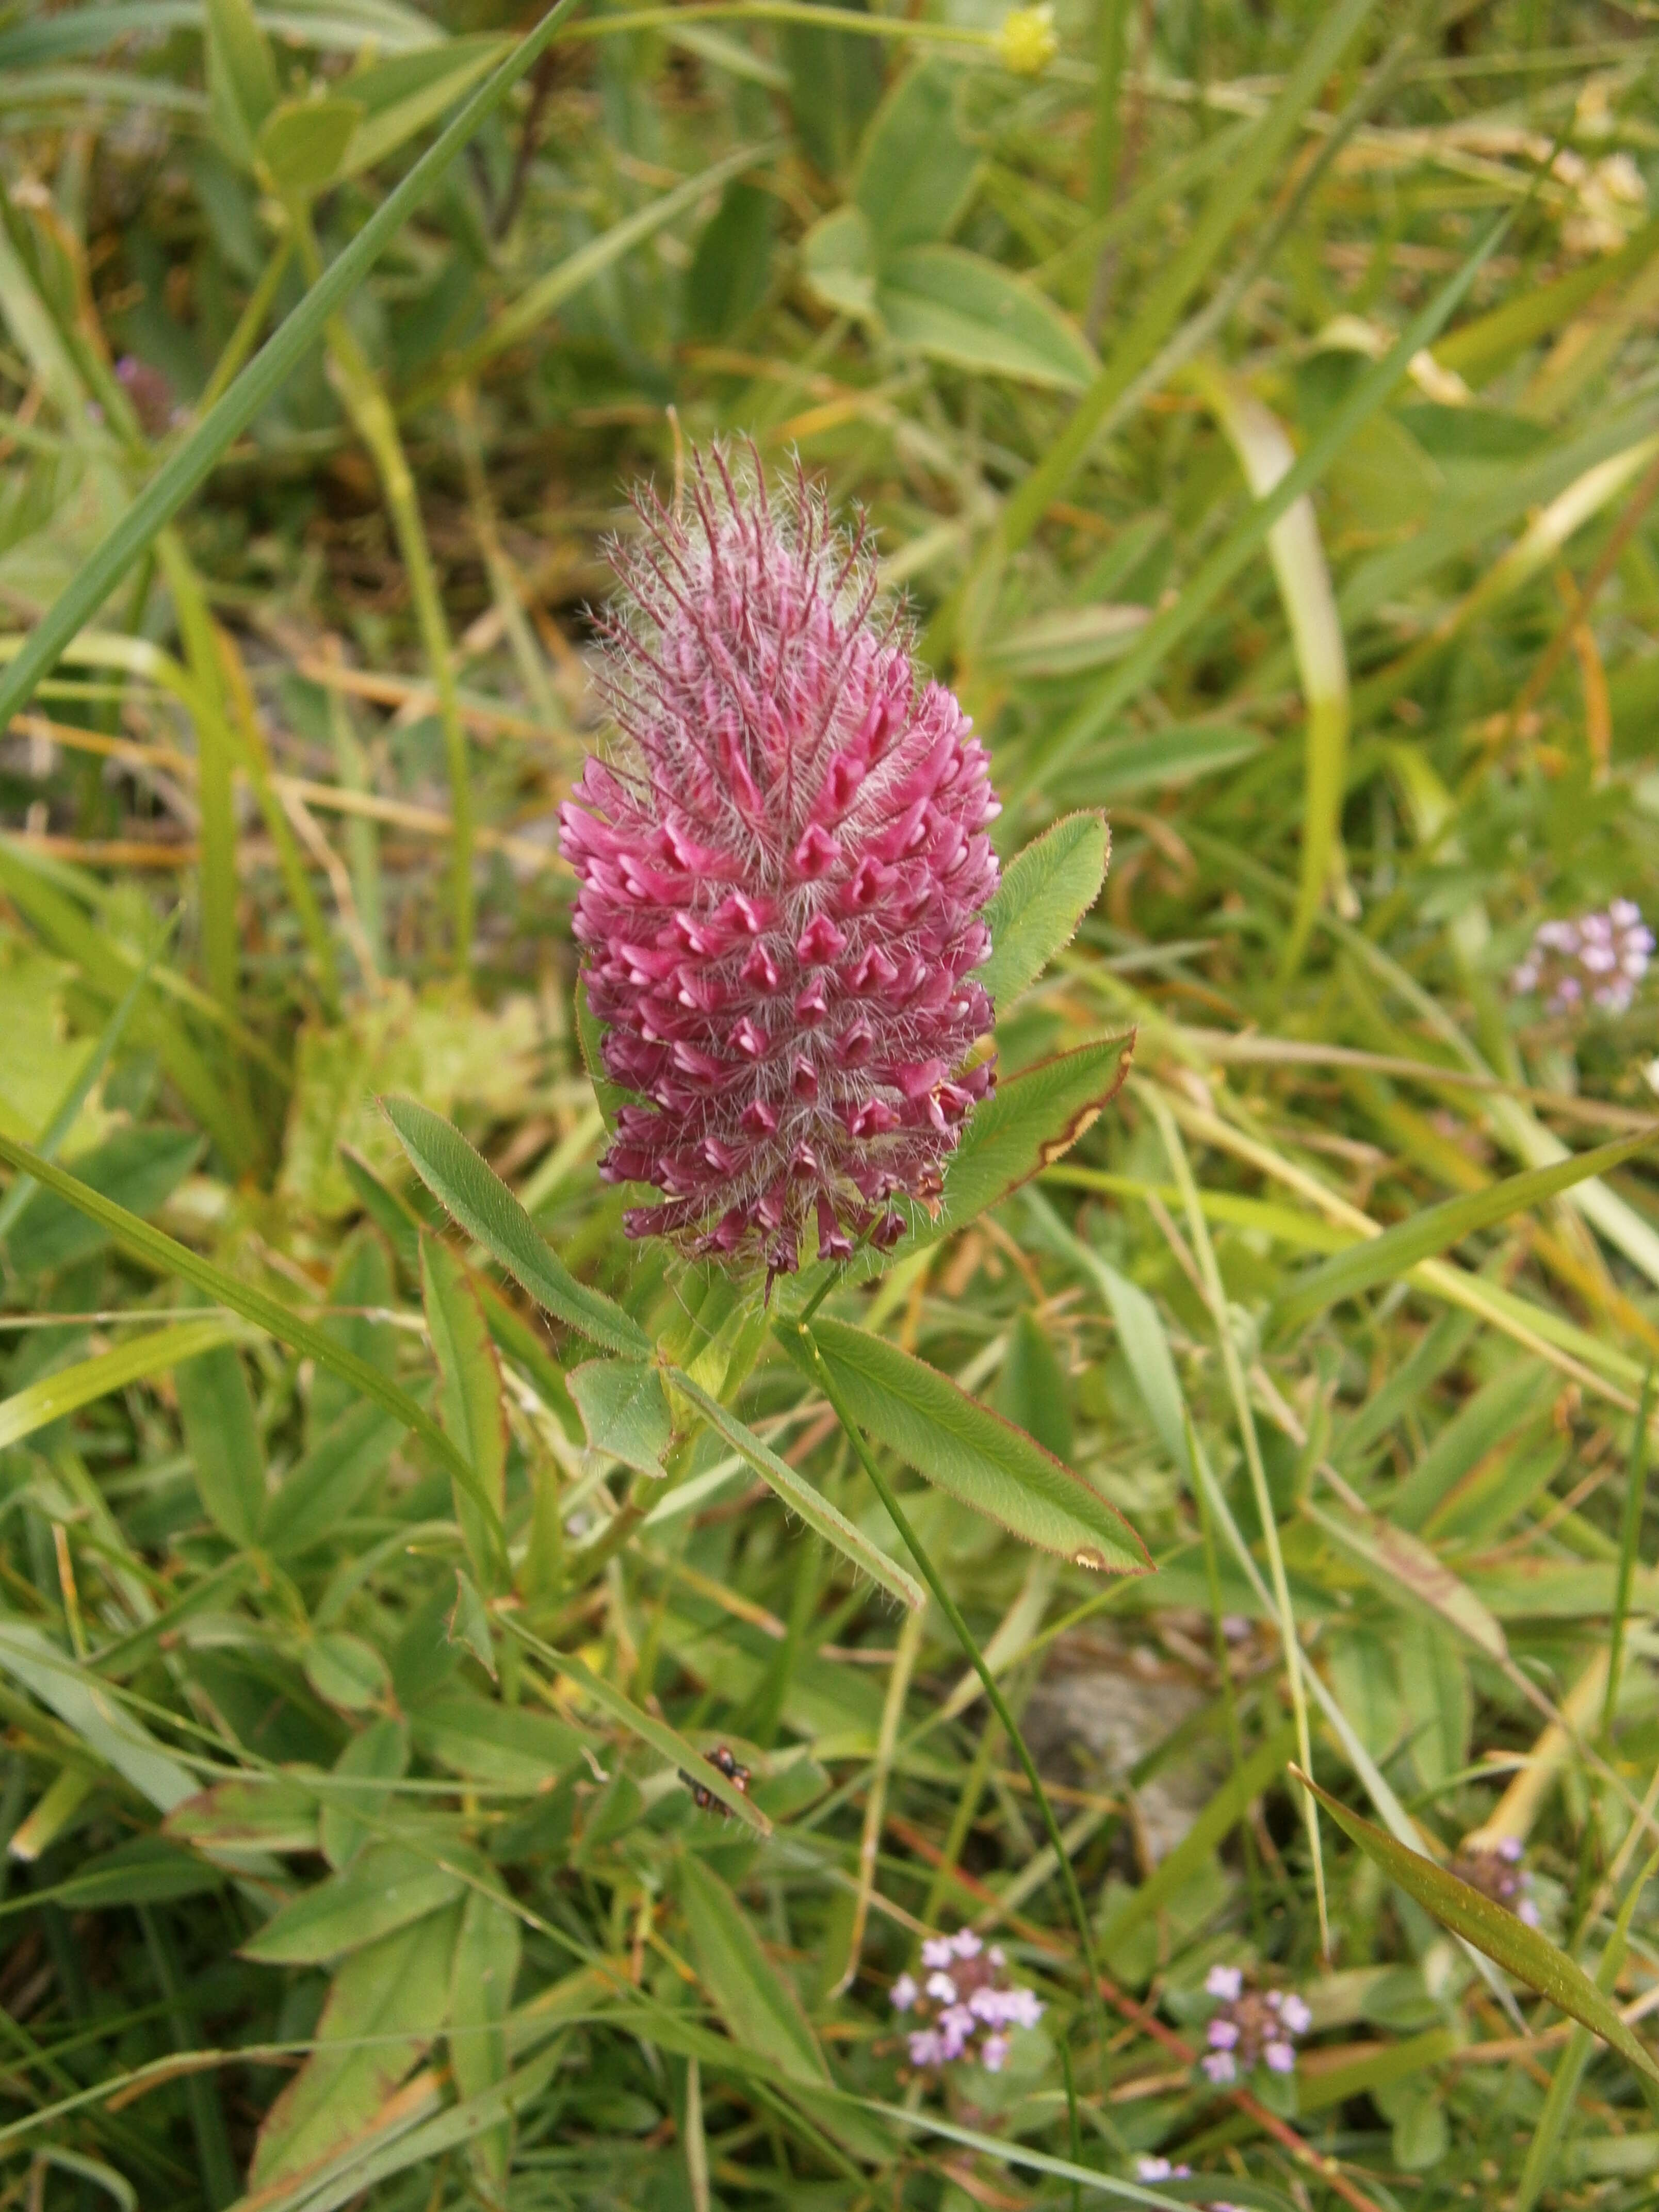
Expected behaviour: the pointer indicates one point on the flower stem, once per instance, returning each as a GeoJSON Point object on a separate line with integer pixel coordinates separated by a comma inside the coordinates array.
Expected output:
{"type": "Point", "coordinates": [948, 1607]}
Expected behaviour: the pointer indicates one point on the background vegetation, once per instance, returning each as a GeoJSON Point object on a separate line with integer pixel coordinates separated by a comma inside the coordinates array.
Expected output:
{"type": "Point", "coordinates": [338, 1876]}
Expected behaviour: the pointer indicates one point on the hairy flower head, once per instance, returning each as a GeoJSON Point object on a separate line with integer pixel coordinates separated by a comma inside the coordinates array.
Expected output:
{"type": "Point", "coordinates": [783, 876]}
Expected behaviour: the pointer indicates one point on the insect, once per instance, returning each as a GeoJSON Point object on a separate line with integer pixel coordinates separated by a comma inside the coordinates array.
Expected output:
{"type": "Point", "coordinates": [703, 1796]}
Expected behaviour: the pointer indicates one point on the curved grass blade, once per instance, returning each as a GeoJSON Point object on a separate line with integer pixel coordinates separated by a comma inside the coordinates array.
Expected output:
{"type": "Point", "coordinates": [40, 1403]}
{"type": "Point", "coordinates": [155, 1249]}
{"type": "Point", "coordinates": [1380, 1258]}
{"type": "Point", "coordinates": [189, 467]}
{"type": "Point", "coordinates": [471, 1190]}
{"type": "Point", "coordinates": [798, 1495]}
{"type": "Point", "coordinates": [1518, 1949]}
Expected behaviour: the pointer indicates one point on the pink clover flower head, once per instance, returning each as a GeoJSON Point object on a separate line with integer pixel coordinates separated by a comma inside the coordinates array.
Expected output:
{"type": "Point", "coordinates": [904, 1993]}
{"type": "Point", "coordinates": [966, 2013]}
{"type": "Point", "coordinates": [783, 872]}
{"type": "Point", "coordinates": [1596, 960]}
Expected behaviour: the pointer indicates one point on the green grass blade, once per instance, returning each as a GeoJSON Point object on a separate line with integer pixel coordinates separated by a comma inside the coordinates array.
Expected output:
{"type": "Point", "coordinates": [155, 1249]}
{"type": "Point", "coordinates": [1508, 1942]}
{"type": "Point", "coordinates": [153, 1351]}
{"type": "Point", "coordinates": [1380, 1259]}
{"type": "Point", "coordinates": [185, 470]}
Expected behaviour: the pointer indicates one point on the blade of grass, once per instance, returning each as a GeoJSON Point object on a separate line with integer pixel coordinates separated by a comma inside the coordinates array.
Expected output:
{"type": "Point", "coordinates": [1630, 1536]}
{"type": "Point", "coordinates": [189, 467]}
{"type": "Point", "coordinates": [1131, 675]}
{"type": "Point", "coordinates": [152, 1248]}
{"type": "Point", "coordinates": [1215, 1293]}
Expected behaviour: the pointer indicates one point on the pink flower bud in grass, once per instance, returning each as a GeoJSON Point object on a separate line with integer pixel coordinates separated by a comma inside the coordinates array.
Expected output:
{"type": "Point", "coordinates": [783, 876]}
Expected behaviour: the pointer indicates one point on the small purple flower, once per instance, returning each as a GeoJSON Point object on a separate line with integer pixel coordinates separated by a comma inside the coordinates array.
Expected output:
{"type": "Point", "coordinates": [1250, 2027]}
{"type": "Point", "coordinates": [1159, 2169]}
{"type": "Point", "coordinates": [783, 878]}
{"type": "Point", "coordinates": [966, 2012]}
{"type": "Point", "coordinates": [1496, 1870]}
{"type": "Point", "coordinates": [1600, 959]}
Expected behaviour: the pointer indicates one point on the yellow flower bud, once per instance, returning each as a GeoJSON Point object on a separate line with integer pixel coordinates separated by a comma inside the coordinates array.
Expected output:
{"type": "Point", "coordinates": [1026, 43]}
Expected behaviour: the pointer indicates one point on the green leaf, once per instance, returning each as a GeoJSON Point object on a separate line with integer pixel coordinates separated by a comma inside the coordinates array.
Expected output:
{"type": "Point", "coordinates": [969, 1451]}
{"type": "Point", "coordinates": [302, 144]}
{"type": "Point", "coordinates": [255, 1815]}
{"type": "Point", "coordinates": [406, 93]}
{"type": "Point", "coordinates": [732, 264]}
{"type": "Point", "coordinates": [169, 1257]}
{"type": "Point", "coordinates": [1401, 1562]}
{"type": "Point", "coordinates": [469, 1624]}
{"type": "Point", "coordinates": [1518, 1949]}
{"type": "Point", "coordinates": [469, 1400]}
{"type": "Point", "coordinates": [138, 1169]}
{"type": "Point", "coordinates": [242, 77]}
{"type": "Point", "coordinates": [378, 1753]}
{"type": "Point", "coordinates": [662, 1739]}
{"type": "Point", "coordinates": [487, 1210]}
{"type": "Point", "coordinates": [145, 1871]}
{"type": "Point", "coordinates": [761, 2014]}
{"type": "Point", "coordinates": [504, 1745]}
{"type": "Point", "coordinates": [798, 1495]}
{"type": "Point", "coordinates": [345, 1671]}
{"type": "Point", "coordinates": [114, 1736]}
{"type": "Point", "coordinates": [1044, 894]}
{"type": "Point", "coordinates": [387, 2003]}
{"type": "Point", "coordinates": [916, 169]}
{"type": "Point", "coordinates": [386, 1887]}
{"type": "Point", "coordinates": [1382, 1259]}
{"type": "Point", "coordinates": [624, 1412]}
{"type": "Point", "coordinates": [222, 1437]}
{"type": "Point", "coordinates": [838, 261]}
{"type": "Point", "coordinates": [486, 1966]}
{"type": "Point", "coordinates": [149, 1352]}
{"type": "Point", "coordinates": [321, 1490]}
{"type": "Point", "coordinates": [956, 307]}
{"type": "Point", "coordinates": [194, 461]}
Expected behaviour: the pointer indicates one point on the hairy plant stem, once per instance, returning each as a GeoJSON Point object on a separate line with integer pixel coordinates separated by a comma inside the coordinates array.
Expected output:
{"type": "Point", "coordinates": [964, 1635]}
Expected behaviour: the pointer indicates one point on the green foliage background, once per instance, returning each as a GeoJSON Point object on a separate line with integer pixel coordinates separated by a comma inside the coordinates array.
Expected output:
{"type": "Point", "coordinates": [1260, 404]}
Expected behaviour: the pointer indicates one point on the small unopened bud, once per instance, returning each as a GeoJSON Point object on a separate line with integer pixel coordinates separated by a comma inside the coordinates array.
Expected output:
{"type": "Point", "coordinates": [1026, 43]}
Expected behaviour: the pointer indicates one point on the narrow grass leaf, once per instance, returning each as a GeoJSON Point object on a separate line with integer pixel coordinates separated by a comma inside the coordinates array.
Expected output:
{"type": "Point", "coordinates": [649, 1729]}
{"type": "Point", "coordinates": [1044, 894]}
{"type": "Point", "coordinates": [150, 1353]}
{"type": "Point", "coordinates": [1508, 1942]}
{"type": "Point", "coordinates": [386, 1887]}
{"type": "Point", "coordinates": [155, 1250]}
{"type": "Point", "coordinates": [469, 1398]}
{"type": "Point", "coordinates": [487, 1210]}
{"type": "Point", "coordinates": [969, 1450]}
{"type": "Point", "coordinates": [1380, 1259]}
{"type": "Point", "coordinates": [113, 1736]}
{"type": "Point", "coordinates": [761, 2015]}
{"type": "Point", "coordinates": [192, 462]}
{"type": "Point", "coordinates": [1397, 1560]}
{"type": "Point", "coordinates": [803, 1500]}
{"type": "Point", "coordinates": [222, 1435]}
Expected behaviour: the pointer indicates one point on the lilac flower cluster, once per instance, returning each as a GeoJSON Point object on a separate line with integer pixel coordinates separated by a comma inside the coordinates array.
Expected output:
{"type": "Point", "coordinates": [1498, 1873]}
{"type": "Point", "coordinates": [965, 2005]}
{"type": "Point", "coordinates": [1163, 2169]}
{"type": "Point", "coordinates": [783, 871]}
{"type": "Point", "coordinates": [1250, 2027]}
{"type": "Point", "coordinates": [1596, 961]}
